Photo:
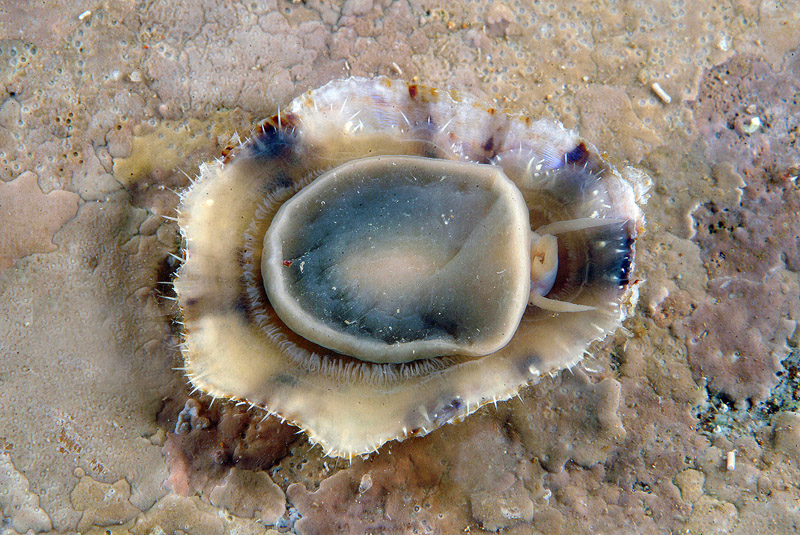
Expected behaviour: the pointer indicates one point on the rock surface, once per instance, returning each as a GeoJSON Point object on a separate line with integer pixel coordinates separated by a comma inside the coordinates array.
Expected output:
{"type": "Point", "coordinates": [104, 109]}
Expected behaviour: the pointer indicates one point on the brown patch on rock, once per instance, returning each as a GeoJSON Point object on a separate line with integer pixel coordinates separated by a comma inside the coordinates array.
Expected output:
{"type": "Point", "coordinates": [673, 307]}
{"type": "Point", "coordinates": [460, 478]}
{"type": "Point", "coordinates": [631, 490]}
{"type": "Point", "coordinates": [204, 441]}
{"type": "Point", "coordinates": [587, 502]}
{"type": "Point", "coordinates": [394, 503]}
{"type": "Point", "coordinates": [709, 511]}
{"type": "Point", "coordinates": [660, 438]}
{"type": "Point", "coordinates": [690, 481]}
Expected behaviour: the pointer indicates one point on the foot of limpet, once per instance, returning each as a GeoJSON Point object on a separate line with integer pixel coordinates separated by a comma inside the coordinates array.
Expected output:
{"type": "Point", "coordinates": [364, 265]}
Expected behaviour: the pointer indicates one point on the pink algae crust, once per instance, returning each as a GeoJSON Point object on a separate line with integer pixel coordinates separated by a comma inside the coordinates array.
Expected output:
{"type": "Point", "coordinates": [88, 342]}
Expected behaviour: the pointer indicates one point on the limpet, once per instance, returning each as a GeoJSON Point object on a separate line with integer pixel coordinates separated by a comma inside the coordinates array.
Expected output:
{"type": "Point", "coordinates": [382, 258]}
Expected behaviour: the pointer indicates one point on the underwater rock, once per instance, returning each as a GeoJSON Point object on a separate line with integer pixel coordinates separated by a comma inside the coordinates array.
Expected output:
{"type": "Point", "coordinates": [29, 218]}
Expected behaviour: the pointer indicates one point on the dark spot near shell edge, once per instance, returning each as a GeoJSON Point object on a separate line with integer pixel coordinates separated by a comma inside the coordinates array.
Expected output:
{"type": "Point", "coordinates": [447, 412]}
{"type": "Point", "coordinates": [240, 306]}
{"type": "Point", "coordinates": [577, 156]}
{"type": "Point", "coordinates": [533, 362]}
{"type": "Point", "coordinates": [285, 380]}
{"type": "Point", "coordinates": [272, 142]}
{"type": "Point", "coordinates": [281, 180]}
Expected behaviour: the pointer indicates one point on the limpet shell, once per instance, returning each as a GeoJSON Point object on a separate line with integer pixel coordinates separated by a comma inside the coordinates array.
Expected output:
{"type": "Point", "coordinates": [408, 277]}
{"type": "Point", "coordinates": [238, 287]}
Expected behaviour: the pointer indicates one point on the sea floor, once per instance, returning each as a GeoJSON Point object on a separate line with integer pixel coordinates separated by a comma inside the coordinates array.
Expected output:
{"type": "Point", "coordinates": [684, 421]}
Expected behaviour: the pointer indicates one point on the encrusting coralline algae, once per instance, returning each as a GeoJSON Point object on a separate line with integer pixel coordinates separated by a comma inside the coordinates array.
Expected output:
{"type": "Point", "coordinates": [113, 103]}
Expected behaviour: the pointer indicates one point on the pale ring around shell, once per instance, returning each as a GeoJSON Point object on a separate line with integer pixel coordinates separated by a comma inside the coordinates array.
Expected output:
{"type": "Point", "coordinates": [363, 265]}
